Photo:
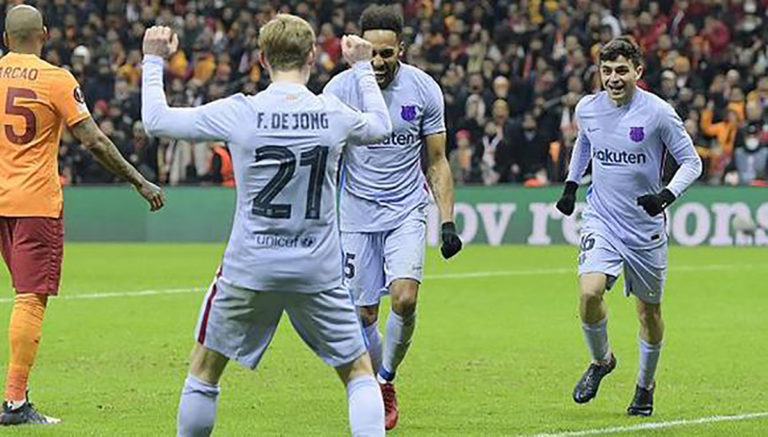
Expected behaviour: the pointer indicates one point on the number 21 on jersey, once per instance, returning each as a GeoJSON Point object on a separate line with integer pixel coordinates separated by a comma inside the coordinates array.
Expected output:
{"type": "Point", "coordinates": [315, 159]}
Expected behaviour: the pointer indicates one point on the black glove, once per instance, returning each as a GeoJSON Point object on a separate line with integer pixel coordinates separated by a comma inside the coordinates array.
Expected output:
{"type": "Point", "coordinates": [451, 241]}
{"type": "Point", "coordinates": [567, 201]}
{"type": "Point", "coordinates": [653, 204]}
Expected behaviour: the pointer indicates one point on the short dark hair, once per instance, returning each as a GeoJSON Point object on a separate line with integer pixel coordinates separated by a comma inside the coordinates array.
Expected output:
{"type": "Point", "coordinates": [625, 46]}
{"type": "Point", "coordinates": [377, 17]}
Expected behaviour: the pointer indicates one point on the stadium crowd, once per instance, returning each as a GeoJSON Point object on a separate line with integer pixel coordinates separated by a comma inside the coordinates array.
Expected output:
{"type": "Point", "coordinates": [511, 72]}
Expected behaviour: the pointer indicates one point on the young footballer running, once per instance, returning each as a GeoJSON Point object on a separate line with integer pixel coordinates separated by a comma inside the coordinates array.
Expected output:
{"type": "Point", "coordinates": [624, 132]}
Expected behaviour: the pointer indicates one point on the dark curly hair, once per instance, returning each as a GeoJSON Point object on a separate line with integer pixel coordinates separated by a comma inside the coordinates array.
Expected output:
{"type": "Point", "coordinates": [622, 46]}
{"type": "Point", "coordinates": [377, 17]}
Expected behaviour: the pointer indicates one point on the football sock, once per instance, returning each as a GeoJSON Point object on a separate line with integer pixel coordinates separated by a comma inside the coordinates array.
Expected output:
{"type": "Point", "coordinates": [596, 335]}
{"type": "Point", "coordinates": [398, 339]}
{"type": "Point", "coordinates": [197, 408]}
{"type": "Point", "coordinates": [373, 338]}
{"type": "Point", "coordinates": [366, 407]}
{"type": "Point", "coordinates": [649, 358]}
{"type": "Point", "coordinates": [24, 331]}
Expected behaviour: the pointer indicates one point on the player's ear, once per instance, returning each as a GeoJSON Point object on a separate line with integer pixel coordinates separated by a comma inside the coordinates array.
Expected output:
{"type": "Point", "coordinates": [312, 57]}
{"type": "Point", "coordinates": [45, 34]}
{"type": "Point", "coordinates": [400, 49]}
{"type": "Point", "coordinates": [263, 61]}
{"type": "Point", "coordinates": [639, 72]}
{"type": "Point", "coordinates": [5, 40]}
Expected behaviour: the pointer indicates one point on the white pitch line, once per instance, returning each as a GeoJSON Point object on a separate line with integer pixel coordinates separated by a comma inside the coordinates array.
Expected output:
{"type": "Point", "coordinates": [531, 272]}
{"type": "Point", "coordinates": [657, 425]}
{"type": "Point", "coordinates": [568, 270]}
{"type": "Point", "coordinates": [502, 273]}
{"type": "Point", "coordinates": [137, 293]}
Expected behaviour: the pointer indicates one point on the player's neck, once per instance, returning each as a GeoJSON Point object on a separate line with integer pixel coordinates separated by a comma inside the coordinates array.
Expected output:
{"type": "Point", "coordinates": [290, 76]}
{"type": "Point", "coordinates": [26, 50]}
{"type": "Point", "coordinates": [394, 76]}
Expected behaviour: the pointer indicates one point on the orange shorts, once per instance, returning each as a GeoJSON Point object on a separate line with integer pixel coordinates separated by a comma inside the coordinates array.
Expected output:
{"type": "Point", "coordinates": [32, 248]}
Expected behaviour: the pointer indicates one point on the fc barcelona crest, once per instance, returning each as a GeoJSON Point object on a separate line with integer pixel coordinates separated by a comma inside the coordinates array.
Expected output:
{"type": "Point", "coordinates": [408, 112]}
{"type": "Point", "coordinates": [636, 134]}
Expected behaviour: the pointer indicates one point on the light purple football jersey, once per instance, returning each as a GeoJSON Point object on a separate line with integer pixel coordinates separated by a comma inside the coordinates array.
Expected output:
{"type": "Point", "coordinates": [626, 145]}
{"type": "Point", "coordinates": [285, 144]}
{"type": "Point", "coordinates": [382, 183]}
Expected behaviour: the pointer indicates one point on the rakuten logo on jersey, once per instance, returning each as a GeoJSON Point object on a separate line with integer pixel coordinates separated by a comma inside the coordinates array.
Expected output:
{"type": "Point", "coordinates": [614, 158]}
{"type": "Point", "coordinates": [399, 139]}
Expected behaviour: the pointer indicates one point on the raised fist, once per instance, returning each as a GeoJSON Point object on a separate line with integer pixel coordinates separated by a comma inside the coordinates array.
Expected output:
{"type": "Point", "coordinates": [160, 41]}
{"type": "Point", "coordinates": [355, 49]}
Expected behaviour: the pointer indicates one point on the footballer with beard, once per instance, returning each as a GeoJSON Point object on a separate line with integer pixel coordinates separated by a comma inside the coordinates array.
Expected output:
{"type": "Point", "coordinates": [384, 196]}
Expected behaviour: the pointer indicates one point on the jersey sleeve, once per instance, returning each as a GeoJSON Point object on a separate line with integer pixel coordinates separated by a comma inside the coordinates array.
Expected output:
{"type": "Point", "coordinates": [352, 121]}
{"type": "Point", "coordinates": [214, 121]}
{"type": "Point", "coordinates": [336, 87]}
{"type": "Point", "coordinates": [582, 151]}
{"type": "Point", "coordinates": [434, 109]}
{"type": "Point", "coordinates": [679, 143]}
{"type": "Point", "coordinates": [67, 98]}
{"type": "Point", "coordinates": [372, 124]}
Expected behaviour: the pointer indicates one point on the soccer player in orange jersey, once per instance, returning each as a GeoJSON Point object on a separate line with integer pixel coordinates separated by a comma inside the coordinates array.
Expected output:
{"type": "Point", "coordinates": [36, 100]}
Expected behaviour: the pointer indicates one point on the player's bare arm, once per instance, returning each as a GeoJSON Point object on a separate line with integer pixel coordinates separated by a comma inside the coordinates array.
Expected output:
{"type": "Point", "coordinates": [439, 175]}
{"type": "Point", "coordinates": [440, 182]}
{"type": "Point", "coordinates": [102, 148]}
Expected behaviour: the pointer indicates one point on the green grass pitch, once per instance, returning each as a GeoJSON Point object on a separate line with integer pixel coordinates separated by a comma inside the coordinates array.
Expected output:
{"type": "Point", "coordinates": [497, 350]}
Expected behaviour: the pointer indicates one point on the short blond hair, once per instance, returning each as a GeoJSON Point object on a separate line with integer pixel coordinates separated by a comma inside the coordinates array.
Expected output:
{"type": "Point", "coordinates": [287, 41]}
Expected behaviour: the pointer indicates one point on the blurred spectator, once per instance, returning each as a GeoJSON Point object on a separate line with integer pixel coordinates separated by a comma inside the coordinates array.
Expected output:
{"type": "Point", "coordinates": [760, 94]}
{"type": "Point", "coordinates": [717, 36]}
{"type": "Point", "coordinates": [703, 146]}
{"type": "Point", "coordinates": [500, 88]}
{"type": "Point", "coordinates": [751, 146]}
{"type": "Point", "coordinates": [474, 118]}
{"type": "Point", "coordinates": [330, 46]}
{"type": "Point", "coordinates": [531, 150]}
{"type": "Point", "coordinates": [461, 159]}
{"type": "Point", "coordinates": [502, 144]}
{"type": "Point", "coordinates": [220, 170]}
{"type": "Point", "coordinates": [668, 90]}
{"type": "Point", "coordinates": [491, 140]}
{"type": "Point", "coordinates": [724, 133]}
{"type": "Point", "coordinates": [143, 152]}
{"type": "Point", "coordinates": [683, 77]}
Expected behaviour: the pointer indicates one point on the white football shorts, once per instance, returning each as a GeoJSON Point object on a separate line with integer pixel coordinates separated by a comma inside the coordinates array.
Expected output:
{"type": "Point", "coordinates": [372, 260]}
{"type": "Point", "coordinates": [645, 270]}
{"type": "Point", "coordinates": [240, 323]}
